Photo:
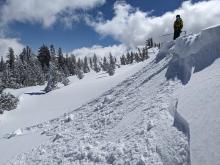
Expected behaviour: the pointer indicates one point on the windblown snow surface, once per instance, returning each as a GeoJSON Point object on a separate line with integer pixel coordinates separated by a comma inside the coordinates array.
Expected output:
{"type": "Point", "coordinates": [154, 117]}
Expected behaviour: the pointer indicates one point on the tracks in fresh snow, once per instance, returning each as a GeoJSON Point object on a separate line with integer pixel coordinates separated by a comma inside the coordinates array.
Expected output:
{"type": "Point", "coordinates": [129, 124]}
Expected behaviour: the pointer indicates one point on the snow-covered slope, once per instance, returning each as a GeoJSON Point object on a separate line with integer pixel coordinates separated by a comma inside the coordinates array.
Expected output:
{"type": "Point", "coordinates": [130, 123]}
{"type": "Point", "coordinates": [36, 107]}
{"type": "Point", "coordinates": [146, 119]}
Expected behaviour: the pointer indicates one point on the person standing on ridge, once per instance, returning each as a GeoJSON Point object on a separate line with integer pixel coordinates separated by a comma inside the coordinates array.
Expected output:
{"type": "Point", "coordinates": [178, 25]}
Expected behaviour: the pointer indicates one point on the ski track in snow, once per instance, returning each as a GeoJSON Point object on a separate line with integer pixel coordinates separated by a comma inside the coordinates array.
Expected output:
{"type": "Point", "coordinates": [129, 124]}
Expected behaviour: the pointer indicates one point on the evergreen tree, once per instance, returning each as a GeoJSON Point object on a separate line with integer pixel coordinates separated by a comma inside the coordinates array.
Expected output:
{"type": "Point", "coordinates": [137, 57]}
{"type": "Point", "coordinates": [145, 54]}
{"type": "Point", "coordinates": [132, 57]}
{"type": "Point", "coordinates": [25, 55]}
{"type": "Point", "coordinates": [79, 73]}
{"type": "Point", "coordinates": [90, 63]}
{"type": "Point", "coordinates": [111, 68]}
{"type": "Point", "coordinates": [28, 53]}
{"type": "Point", "coordinates": [65, 65]}
{"type": "Point", "coordinates": [2, 65]}
{"type": "Point", "coordinates": [52, 53]}
{"type": "Point", "coordinates": [96, 65]}
{"type": "Point", "coordinates": [123, 60]}
{"type": "Point", "coordinates": [11, 58]}
{"type": "Point", "coordinates": [150, 43]}
{"type": "Point", "coordinates": [44, 56]}
{"type": "Point", "coordinates": [54, 77]}
{"type": "Point", "coordinates": [128, 58]}
{"type": "Point", "coordinates": [22, 55]}
{"type": "Point", "coordinates": [79, 64]}
{"type": "Point", "coordinates": [73, 65]}
{"type": "Point", "coordinates": [85, 65]}
{"type": "Point", "coordinates": [105, 64]}
{"type": "Point", "coordinates": [112, 61]}
{"type": "Point", "coordinates": [60, 59]}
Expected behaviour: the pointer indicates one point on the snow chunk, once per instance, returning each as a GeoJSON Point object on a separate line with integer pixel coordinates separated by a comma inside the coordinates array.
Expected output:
{"type": "Point", "coordinates": [18, 132]}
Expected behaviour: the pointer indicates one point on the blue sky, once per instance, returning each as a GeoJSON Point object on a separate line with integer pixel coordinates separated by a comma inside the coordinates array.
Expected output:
{"type": "Point", "coordinates": [80, 33]}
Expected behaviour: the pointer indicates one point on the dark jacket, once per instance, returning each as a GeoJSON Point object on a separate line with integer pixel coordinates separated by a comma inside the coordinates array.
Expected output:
{"type": "Point", "coordinates": [178, 24]}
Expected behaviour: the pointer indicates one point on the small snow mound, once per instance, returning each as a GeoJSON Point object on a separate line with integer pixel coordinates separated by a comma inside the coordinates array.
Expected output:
{"type": "Point", "coordinates": [108, 99]}
{"type": "Point", "coordinates": [18, 132]}
{"type": "Point", "coordinates": [69, 118]}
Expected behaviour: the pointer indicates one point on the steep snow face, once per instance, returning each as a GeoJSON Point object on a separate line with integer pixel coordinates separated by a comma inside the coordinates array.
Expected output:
{"type": "Point", "coordinates": [192, 53]}
{"type": "Point", "coordinates": [199, 99]}
{"type": "Point", "coordinates": [196, 62]}
{"type": "Point", "coordinates": [129, 124]}
{"type": "Point", "coordinates": [199, 104]}
{"type": "Point", "coordinates": [192, 44]}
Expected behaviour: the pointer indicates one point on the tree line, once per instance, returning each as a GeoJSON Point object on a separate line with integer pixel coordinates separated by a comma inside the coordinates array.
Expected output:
{"type": "Point", "coordinates": [52, 66]}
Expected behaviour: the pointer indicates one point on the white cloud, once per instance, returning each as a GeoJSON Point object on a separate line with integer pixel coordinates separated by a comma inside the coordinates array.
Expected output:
{"type": "Point", "coordinates": [115, 50]}
{"type": "Point", "coordinates": [5, 43]}
{"type": "Point", "coordinates": [46, 12]}
{"type": "Point", "coordinates": [132, 27]}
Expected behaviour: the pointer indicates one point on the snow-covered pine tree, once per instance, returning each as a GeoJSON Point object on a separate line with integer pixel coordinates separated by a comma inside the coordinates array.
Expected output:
{"type": "Point", "coordinates": [128, 58]}
{"type": "Point", "coordinates": [33, 72]}
{"type": "Point", "coordinates": [96, 65]}
{"type": "Point", "coordinates": [90, 63]}
{"type": "Point", "coordinates": [22, 55]}
{"type": "Point", "coordinates": [2, 65]}
{"type": "Point", "coordinates": [8, 102]}
{"type": "Point", "coordinates": [11, 58]}
{"type": "Point", "coordinates": [72, 65]}
{"type": "Point", "coordinates": [25, 54]}
{"type": "Point", "coordinates": [44, 57]}
{"type": "Point", "coordinates": [65, 67]}
{"type": "Point", "coordinates": [79, 73]}
{"type": "Point", "coordinates": [132, 58]}
{"type": "Point", "coordinates": [123, 60]}
{"type": "Point", "coordinates": [52, 53]}
{"type": "Point", "coordinates": [85, 65]}
{"type": "Point", "coordinates": [79, 64]}
{"type": "Point", "coordinates": [60, 60]}
{"type": "Point", "coordinates": [150, 43]}
{"type": "Point", "coordinates": [145, 53]}
{"type": "Point", "coordinates": [111, 68]}
{"type": "Point", "coordinates": [105, 64]}
{"type": "Point", "coordinates": [54, 77]}
{"type": "Point", "coordinates": [28, 53]}
{"type": "Point", "coordinates": [137, 57]}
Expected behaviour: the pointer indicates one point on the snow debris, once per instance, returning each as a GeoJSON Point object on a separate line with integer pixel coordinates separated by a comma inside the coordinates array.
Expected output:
{"type": "Point", "coordinates": [129, 124]}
